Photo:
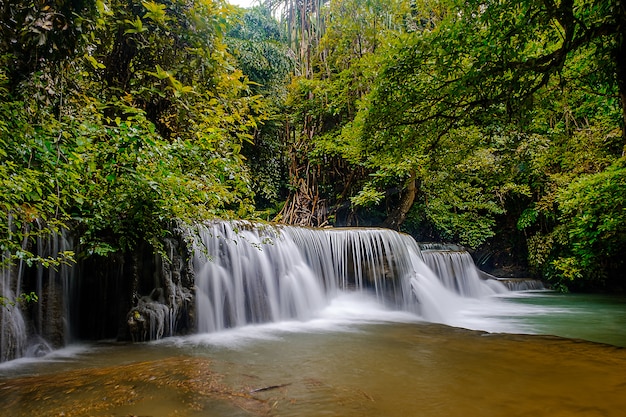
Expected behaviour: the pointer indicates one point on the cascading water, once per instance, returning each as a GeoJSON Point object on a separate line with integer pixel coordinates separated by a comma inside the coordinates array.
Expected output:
{"type": "Point", "coordinates": [12, 326]}
{"type": "Point", "coordinates": [239, 274]}
{"type": "Point", "coordinates": [52, 284]}
{"type": "Point", "coordinates": [34, 329]}
{"type": "Point", "coordinates": [250, 274]}
{"type": "Point", "coordinates": [457, 271]}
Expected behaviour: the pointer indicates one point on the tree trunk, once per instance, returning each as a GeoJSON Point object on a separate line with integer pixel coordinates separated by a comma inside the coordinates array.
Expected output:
{"type": "Point", "coordinates": [620, 64]}
{"type": "Point", "coordinates": [621, 83]}
{"type": "Point", "coordinates": [398, 215]}
{"type": "Point", "coordinates": [623, 99]}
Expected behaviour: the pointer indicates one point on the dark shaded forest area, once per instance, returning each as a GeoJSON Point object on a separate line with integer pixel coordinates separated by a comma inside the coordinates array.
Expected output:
{"type": "Point", "coordinates": [497, 125]}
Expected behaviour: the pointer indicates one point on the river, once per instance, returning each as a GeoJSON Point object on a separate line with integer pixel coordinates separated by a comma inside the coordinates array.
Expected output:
{"type": "Point", "coordinates": [355, 358]}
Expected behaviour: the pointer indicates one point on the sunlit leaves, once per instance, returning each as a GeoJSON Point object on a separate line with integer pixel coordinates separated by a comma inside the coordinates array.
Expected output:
{"type": "Point", "coordinates": [134, 26]}
{"type": "Point", "coordinates": [368, 196]}
{"type": "Point", "coordinates": [155, 12]}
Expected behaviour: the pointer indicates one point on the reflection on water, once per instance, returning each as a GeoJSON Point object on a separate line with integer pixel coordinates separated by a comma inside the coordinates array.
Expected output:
{"type": "Point", "coordinates": [370, 362]}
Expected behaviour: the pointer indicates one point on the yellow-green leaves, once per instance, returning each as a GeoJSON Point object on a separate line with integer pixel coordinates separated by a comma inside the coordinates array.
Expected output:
{"type": "Point", "coordinates": [367, 197]}
{"type": "Point", "coordinates": [155, 12]}
{"type": "Point", "coordinates": [135, 26]}
{"type": "Point", "coordinates": [92, 61]}
{"type": "Point", "coordinates": [144, 124]}
{"type": "Point", "coordinates": [177, 88]}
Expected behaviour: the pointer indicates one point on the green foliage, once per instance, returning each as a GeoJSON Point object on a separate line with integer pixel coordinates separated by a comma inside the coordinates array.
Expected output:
{"type": "Point", "coordinates": [31, 183]}
{"type": "Point", "coordinates": [36, 33]}
{"type": "Point", "coordinates": [593, 215]}
{"type": "Point", "coordinates": [258, 45]}
{"type": "Point", "coordinates": [497, 110]}
{"type": "Point", "coordinates": [580, 137]}
{"type": "Point", "coordinates": [368, 196]}
{"type": "Point", "coordinates": [326, 150]}
{"type": "Point", "coordinates": [24, 298]}
{"type": "Point", "coordinates": [473, 118]}
{"type": "Point", "coordinates": [527, 218]}
{"type": "Point", "coordinates": [142, 123]}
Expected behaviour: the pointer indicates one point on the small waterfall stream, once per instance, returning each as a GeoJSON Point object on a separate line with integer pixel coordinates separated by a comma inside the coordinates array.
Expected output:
{"type": "Point", "coordinates": [35, 329]}
{"type": "Point", "coordinates": [457, 271]}
{"type": "Point", "coordinates": [13, 328]}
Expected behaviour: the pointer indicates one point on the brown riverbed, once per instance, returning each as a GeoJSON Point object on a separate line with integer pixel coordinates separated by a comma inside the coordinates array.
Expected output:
{"type": "Point", "coordinates": [391, 369]}
{"type": "Point", "coordinates": [177, 386]}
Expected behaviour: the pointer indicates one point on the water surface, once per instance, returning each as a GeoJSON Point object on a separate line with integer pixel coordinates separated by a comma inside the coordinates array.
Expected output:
{"type": "Point", "coordinates": [595, 317]}
{"type": "Point", "coordinates": [355, 359]}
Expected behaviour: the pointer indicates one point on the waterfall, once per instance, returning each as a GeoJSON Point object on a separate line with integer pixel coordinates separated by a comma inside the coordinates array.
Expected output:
{"type": "Point", "coordinates": [457, 271]}
{"type": "Point", "coordinates": [51, 316]}
{"type": "Point", "coordinates": [221, 275]}
{"type": "Point", "coordinates": [253, 274]}
{"type": "Point", "coordinates": [34, 329]}
{"type": "Point", "coordinates": [12, 325]}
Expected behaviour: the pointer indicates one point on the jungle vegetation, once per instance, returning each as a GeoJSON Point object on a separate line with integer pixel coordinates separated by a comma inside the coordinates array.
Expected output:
{"type": "Point", "coordinates": [499, 125]}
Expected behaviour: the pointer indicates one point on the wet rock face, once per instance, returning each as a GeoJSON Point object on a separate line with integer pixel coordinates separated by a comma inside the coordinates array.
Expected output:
{"type": "Point", "coordinates": [148, 319]}
{"type": "Point", "coordinates": [152, 318]}
{"type": "Point", "coordinates": [128, 296]}
{"type": "Point", "coordinates": [51, 314]}
{"type": "Point", "coordinates": [167, 310]}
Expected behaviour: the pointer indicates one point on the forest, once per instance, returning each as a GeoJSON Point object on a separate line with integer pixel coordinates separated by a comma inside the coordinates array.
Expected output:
{"type": "Point", "coordinates": [498, 125]}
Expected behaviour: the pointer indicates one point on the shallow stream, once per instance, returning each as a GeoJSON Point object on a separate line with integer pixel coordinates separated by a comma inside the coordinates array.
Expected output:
{"type": "Point", "coordinates": [355, 359]}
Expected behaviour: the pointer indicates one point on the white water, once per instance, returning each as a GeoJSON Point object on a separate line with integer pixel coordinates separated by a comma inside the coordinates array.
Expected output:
{"type": "Point", "coordinates": [12, 325]}
{"type": "Point", "coordinates": [254, 281]}
{"type": "Point", "coordinates": [458, 273]}
{"type": "Point", "coordinates": [245, 277]}
{"type": "Point", "coordinates": [289, 276]}
{"type": "Point", "coordinates": [49, 314]}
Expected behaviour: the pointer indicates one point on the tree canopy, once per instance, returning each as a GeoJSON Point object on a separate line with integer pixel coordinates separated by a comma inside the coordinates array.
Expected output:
{"type": "Point", "coordinates": [473, 120]}
{"type": "Point", "coordinates": [138, 121]}
{"type": "Point", "coordinates": [495, 124]}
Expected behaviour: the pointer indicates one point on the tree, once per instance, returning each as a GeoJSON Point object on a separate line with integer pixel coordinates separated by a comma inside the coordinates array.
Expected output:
{"type": "Point", "coordinates": [326, 166]}
{"type": "Point", "coordinates": [490, 59]}
{"type": "Point", "coordinates": [304, 24]}
{"type": "Point", "coordinates": [259, 45]}
{"type": "Point", "coordinates": [34, 34]}
{"type": "Point", "coordinates": [142, 122]}
{"type": "Point", "coordinates": [531, 78]}
{"type": "Point", "coordinates": [593, 222]}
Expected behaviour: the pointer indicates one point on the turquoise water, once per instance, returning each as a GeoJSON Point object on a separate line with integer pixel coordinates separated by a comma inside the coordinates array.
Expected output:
{"type": "Point", "coordinates": [593, 317]}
